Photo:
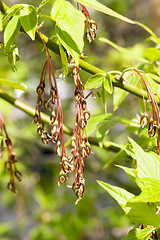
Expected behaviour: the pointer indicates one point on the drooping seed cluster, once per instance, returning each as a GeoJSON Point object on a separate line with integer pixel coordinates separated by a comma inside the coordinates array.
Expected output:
{"type": "Point", "coordinates": [79, 142]}
{"type": "Point", "coordinates": [10, 164]}
{"type": "Point", "coordinates": [56, 117]}
{"type": "Point", "coordinates": [80, 147]}
{"type": "Point", "coordinates": [91, 25]}
{"type": "Point", "coordinates": [152, 118]}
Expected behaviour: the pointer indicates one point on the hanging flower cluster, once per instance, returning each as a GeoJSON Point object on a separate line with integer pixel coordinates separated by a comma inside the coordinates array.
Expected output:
{"type": "Point", "coordinates": [79, 142]}
{"type": "Point", "coordinates": [56, 117]}
{"type": "Point", "coordinates": [10, 164]}
{"type": "Point", "coordinates": [150, 119]}
{"type": "Point", "coordinates": [80, 147]}
{"type": "Point", "coordinates": [91, 26]}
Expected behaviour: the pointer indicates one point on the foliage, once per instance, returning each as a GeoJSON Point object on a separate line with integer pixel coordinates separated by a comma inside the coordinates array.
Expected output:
{"type": "Point", "coordinates": [139, 76]}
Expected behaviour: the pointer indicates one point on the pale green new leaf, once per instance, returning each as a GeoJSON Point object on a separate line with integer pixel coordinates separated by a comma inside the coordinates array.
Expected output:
{"type": "Point", "coordinates": [68, 43]}
{"type": "Point", "coordinates": [148, 164]}
{"type": "Point", "coordinates": [118, 156]}
{"type": "Point", "coordinates": [107, 83]}
{"type": "Point", "coordinates": [142, 213]}
{"type": "Point", "coordinates": [1, 17]}
{"type": "Point", "coordinates": [155, 77]}
{"type": "Point", "coordinates": [139, 234]}
{"type": "Point", "coordinates": [150, 191]}
{"type": "Point", "coordinates": [152, 54]}
{"type": "Point", "coordinates": [124, 50]}
{"type": "Point", "coordinates": [12, 11]}
{"type": "Point", "coordinates": [13, 55]}
{"type": "Point", "coordinates": [157, 40]}
{"type": "Point", "coordinates": [119, 194]}
{"type": "Point", "coordinates": [14, 85]}
{"type": "Point", "coordinates": [11, 31]}
{"type": "Point", "coordinates": [64, 60]}
{"type": "Point", "coordinates": [102, 8]}
{"type": "Point", "coordinates": [94, 121]}
{"type": "Point", "coordinates": [28, 19]}
{"type": "Point", "coordinates": [155, 87]}
{"type": "Point", "coordinates": [104, 127]}
{"type": "Point", "coordinates": [95, 80]}
{"type": "Point", "coordinates": [131, 172]}
{"type": "Point", "coordinates": [138, 212]}
{"type": "Point", "coordinates": [70, 20]}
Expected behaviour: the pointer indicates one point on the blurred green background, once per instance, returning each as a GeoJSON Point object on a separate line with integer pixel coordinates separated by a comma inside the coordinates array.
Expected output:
{"type": "Point", "coordinates": [41, 210]}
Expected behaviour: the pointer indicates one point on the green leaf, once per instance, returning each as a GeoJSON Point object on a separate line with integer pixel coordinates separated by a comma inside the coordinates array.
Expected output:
{"type": "Point", "coordinates": [64, 60]}
{"type": "Point", "coordinates": [68, 43]}
{"type": "Point", "coordinates": [152, 54]}
{"type": "Point", "coordinates": [119, 94]}
{"type": "Point", "coordinates": [14, 85]}
{"type": "Point", "coordinates": [94, 121]}
{"type": "Point", "coordinates": [104, 127]}
{"type": "Point", "coordinates": [150, 191]}
{"type": "Point", "coordinates": [12, 11]}
{"type": "Point", "coordinates": [124, 50]}
{"type": "Point", "coordinates": [155, 77]}
{"type": "Point", "coordinates": [116, 158]}
{"type": "Point", "coordinates": [119, 194]}
{"type": "Point", "coordinates": [28, 19]}
{"type": "Point", "coordinates": [131, 172]}
{"type": "Point", "coordinates": [11, 31]}
{"type": "Point", "coordinates": [1, 17]}
{"type": "Point", "coordinates": [157, 40]}
{"type": "Point", "coordinates": [139, 234]}
{"type": "Point", "coordinates": [108, 84]}
{"type": "Point", "coordinates": [141, 213]}
{"type": "Point", "coordinates": [70, 20]}
{"type": "Point", "coordinates": [155, 87]}
{"type": "Point", "coordinates": [95, 80]}
{"type": "Point", "coordinates": [148, 164]}
{"type": "Point", "coordinates": [104, 95]}
{"type": "Point", "coordinates": [102, 8]}
{"type": "Point", "coordinates": [13, 56]}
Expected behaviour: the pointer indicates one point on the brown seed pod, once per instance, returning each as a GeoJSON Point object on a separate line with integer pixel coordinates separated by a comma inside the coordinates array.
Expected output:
{"type": "Point", "coordinates": [44, 140]}
{"type": "Point", "coordinates": [86, 115]}
{"type": "Point", "coordinates": [88, 37]}
{"type": "Point", "coordinates": [39, 130]}
{"type": "Point", "coordinates": [75, 70]}
{"type": "Point", "coordinates": [35, 118]}
{"type": "Point", "coordinates": [151, 128]}
{"type": "Point", "coordinates": [11, 187]}
{"type": "Point", "coordinates": [18, 175]}
{"type": "Point", "coordinates": [40, 89]}
{"type": "Point", "coordinates": [93, 25]}
{"type": "Point", "coordinates": [62, 177]}
{"type": "Point", "coordinates": [8, 165]}
{"type": "Point", "coordinates": [144, 119]}
{"type": "Point", "coordinates": [46, 105]}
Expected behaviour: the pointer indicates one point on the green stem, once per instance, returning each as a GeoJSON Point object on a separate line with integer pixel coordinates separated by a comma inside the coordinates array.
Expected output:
{"type": "Point", "coordinates": [86, 66]}
{"type": "Point", "coordinates": [93, 70]}
{"type": "Point", "coordinates": [3, 7]}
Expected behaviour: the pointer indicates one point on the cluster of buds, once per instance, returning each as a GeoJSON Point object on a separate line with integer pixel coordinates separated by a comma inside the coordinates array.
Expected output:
{"type": "Point", "coordinates": [10, 164]}
{"type": "Point", "coordinates": [79, 142]}
{"type": "Point", "coordinates": [91, 26]}
{"type": "Point", "coordinates": [150, 119]}
{"type": "Point", "coordinates": [80, 147]}
{"type": "Point", "coordinates": [56, 117]}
